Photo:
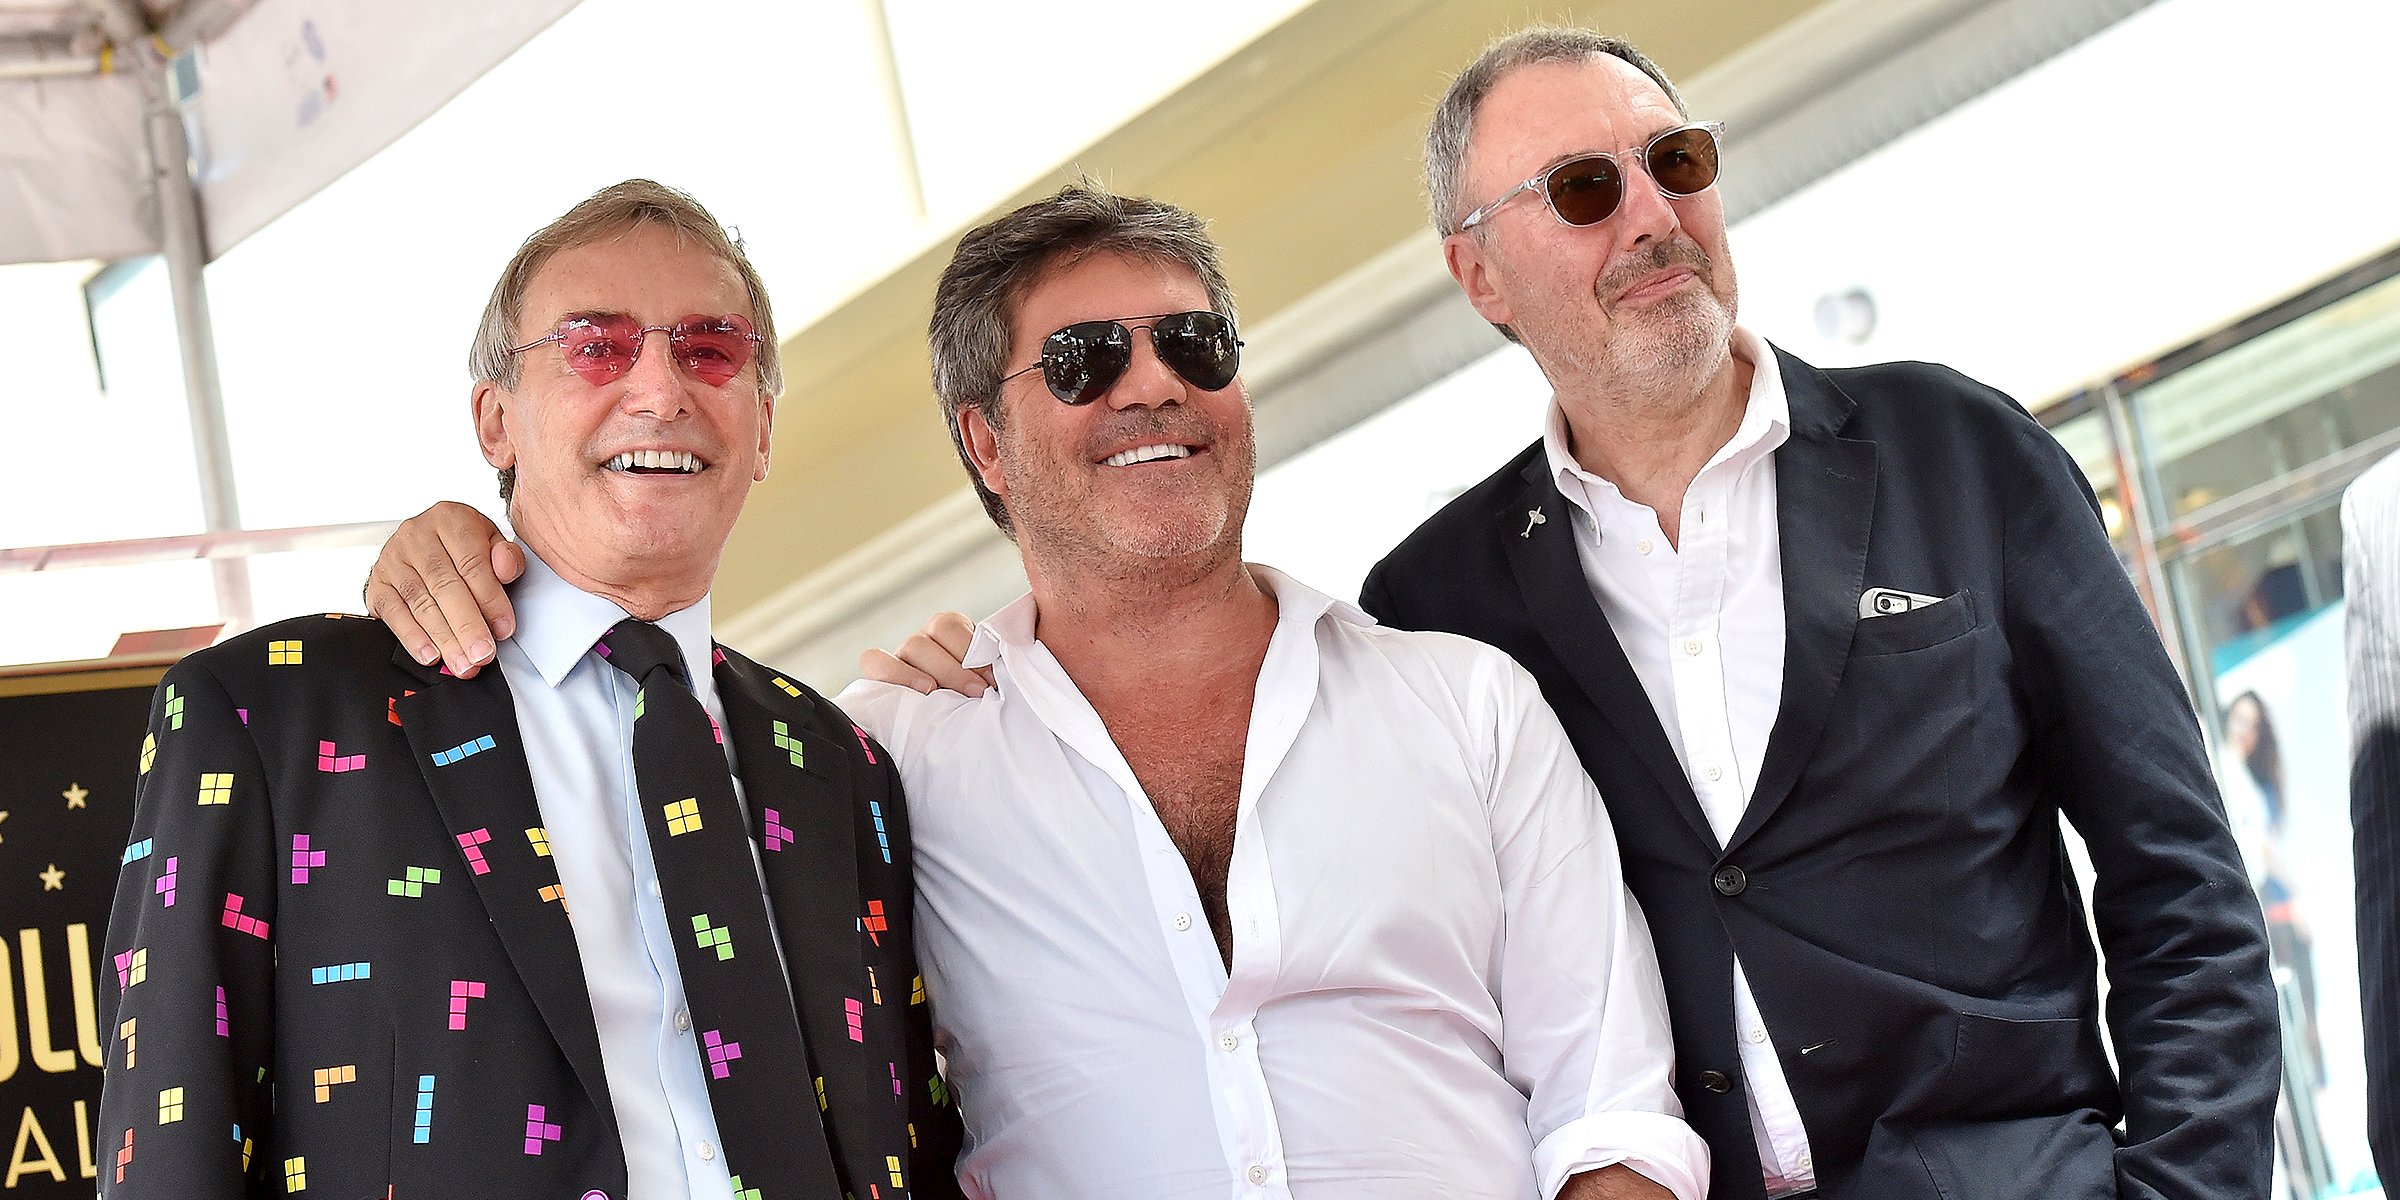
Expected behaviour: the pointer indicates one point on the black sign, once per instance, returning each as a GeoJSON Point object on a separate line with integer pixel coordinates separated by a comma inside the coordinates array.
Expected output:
{"type": "Point", "coordinates": [68, 761]}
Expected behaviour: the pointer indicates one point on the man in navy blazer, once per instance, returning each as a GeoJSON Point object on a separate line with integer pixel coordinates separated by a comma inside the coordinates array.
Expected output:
{"type": "Point", "coordinates": [1841, 648]}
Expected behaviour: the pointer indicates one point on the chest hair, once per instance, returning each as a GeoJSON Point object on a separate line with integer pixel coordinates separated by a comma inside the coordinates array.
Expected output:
{"type": "Point", "coordinates": [1191, 766]}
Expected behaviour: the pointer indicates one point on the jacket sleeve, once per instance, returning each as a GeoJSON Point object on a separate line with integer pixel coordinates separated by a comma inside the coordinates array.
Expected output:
{"type": "Point", "coordinates": [2371, 576]}
{"type": "Point", "coordinates": [2191, 1011]}
{"type": "Point", "coordinates": [185, 1109]}
{"type": "Point", "coordinates": [935, 1132]}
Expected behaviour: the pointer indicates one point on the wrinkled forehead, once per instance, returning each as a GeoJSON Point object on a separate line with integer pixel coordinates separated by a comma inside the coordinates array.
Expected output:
{"type": "Point", "coordinates": [1101, 284]}
{"type": "Point", "coordinates": [1543, 112]}
{"type": "Point", "coordinates": [650, 272]}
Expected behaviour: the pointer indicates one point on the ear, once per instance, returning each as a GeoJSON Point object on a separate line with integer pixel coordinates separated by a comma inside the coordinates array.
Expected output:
{"type": "Point", "coordinates": [766, 437]}
{"type": "Point", "coordinates": [1470, 264]}
{"type": "Point", "coordinates": [983, 449]}
{"type": "Point", "coordinates": [490, 407]}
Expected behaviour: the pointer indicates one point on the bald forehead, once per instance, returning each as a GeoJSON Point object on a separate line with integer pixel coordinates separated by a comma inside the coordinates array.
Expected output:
{"type": "Point", "coordinates": [1540, 112]}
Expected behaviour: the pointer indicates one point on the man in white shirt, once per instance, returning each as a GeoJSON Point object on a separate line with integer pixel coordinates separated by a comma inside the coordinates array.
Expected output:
{"type": "Point", "coordinates": [1226, 891]}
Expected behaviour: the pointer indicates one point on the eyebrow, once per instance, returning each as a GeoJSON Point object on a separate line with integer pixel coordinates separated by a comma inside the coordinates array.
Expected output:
{"type": "Point", "coordinates": [585, 314]}
{"type": "Point", "coordinates": [1644, 140]}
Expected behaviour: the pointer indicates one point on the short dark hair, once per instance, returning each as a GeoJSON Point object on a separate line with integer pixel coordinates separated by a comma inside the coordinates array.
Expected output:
{"type": "Point", "coordinates": [996, 264]}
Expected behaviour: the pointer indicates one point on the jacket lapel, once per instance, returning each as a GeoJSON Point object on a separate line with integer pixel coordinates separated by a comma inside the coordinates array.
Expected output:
{"type": "Point", "coordinates": [1550, 577]}
{"type": "Point", "coordinates": [464, 735]}
{"type": "Point", "coordinates": [1824, 508]}
{"type": "Point", "coordinates": [797, 781]}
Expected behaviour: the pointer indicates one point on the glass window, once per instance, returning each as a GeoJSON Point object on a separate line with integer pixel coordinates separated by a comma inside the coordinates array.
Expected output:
{"type": "Point", "coordinates": [2246, 417]}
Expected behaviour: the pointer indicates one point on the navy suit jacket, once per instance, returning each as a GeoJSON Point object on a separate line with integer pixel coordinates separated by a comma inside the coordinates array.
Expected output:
{"type": "Point", "coordinates": [344, 963]}
{"type": "Point", "coordinates": [1898, 890]}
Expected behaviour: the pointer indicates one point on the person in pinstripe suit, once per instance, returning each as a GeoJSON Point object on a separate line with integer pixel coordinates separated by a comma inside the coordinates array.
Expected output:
{"type": "Point", "coordinates": [2371, 580]}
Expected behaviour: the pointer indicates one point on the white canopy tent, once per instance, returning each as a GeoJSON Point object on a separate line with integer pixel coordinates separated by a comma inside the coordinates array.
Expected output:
{"type": "Point", "coordinates": [180, 127]}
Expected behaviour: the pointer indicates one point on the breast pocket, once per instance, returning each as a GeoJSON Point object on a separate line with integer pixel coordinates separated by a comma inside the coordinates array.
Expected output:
{"type": "Point", "coordinates": [1925, 625]}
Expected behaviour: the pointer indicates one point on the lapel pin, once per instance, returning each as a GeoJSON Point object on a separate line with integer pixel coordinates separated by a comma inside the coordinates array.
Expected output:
{"type": "Point", "coordinates": [1533, 517]}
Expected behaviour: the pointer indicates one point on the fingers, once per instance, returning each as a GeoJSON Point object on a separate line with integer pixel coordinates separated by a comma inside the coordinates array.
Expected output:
{"type": "Point", "coordinates": [471, 552]}
{"type": "Point", "coordinates": [431, 584]}
{"type": "Point", "coordinates": [880, 666]}
{"type": "Point", "coordinates": [384, 604]}
{"type": "Point", "coordinates": [936, 650]}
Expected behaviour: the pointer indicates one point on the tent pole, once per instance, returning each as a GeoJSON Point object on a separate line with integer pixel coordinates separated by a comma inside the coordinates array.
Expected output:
{"type": "Point", "coordinates": [181, 243]}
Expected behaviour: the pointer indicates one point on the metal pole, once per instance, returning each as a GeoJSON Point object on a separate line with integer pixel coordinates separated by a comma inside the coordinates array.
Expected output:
{"type": "Point", "coordinates": [895, 107]}
{"type": "Point", "coordinates": [182, 245]}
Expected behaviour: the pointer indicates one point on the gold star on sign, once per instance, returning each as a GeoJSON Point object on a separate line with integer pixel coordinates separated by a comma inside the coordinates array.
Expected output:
{"type": "Point", "coordinates": [75, 793]}
{"type": "Point", "coordinates": [53, 880]}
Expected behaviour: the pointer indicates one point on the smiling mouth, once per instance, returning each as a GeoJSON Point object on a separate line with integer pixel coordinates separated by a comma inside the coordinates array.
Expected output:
{"type": "Point", "coordinates": [1143, 454]}
{"type": "Point", "coordinates": [656, 462]}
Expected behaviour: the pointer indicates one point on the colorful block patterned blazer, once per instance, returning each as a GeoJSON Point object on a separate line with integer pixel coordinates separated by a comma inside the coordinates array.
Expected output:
{"type": "Point", "coordinates": [344, 963]}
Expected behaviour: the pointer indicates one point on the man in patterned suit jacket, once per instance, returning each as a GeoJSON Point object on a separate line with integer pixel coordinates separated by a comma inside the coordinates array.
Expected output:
{"type": "Point", "coordinates": [342, 936]}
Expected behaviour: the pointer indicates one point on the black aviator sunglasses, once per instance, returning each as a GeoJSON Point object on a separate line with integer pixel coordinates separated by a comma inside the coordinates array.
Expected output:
{"type": "Point", "coordinates": [1082, 361]}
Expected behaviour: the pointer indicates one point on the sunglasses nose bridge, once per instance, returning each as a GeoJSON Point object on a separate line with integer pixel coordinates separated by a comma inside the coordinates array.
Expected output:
{"type": "Point", "coordinates": [1147, 382]}
{"type": "Point", "coordinates": [655, 384]}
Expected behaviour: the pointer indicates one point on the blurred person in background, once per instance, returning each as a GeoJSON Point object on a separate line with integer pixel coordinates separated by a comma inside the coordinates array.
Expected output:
{"type": "Point", "coordinates": [2250, 769]}
{"type": "Point", "coordinates": [2371, 581]}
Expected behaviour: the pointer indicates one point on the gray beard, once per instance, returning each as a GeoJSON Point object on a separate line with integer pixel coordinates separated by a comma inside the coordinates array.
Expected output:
{"type": "Point", "coordinates": [1669, 367]}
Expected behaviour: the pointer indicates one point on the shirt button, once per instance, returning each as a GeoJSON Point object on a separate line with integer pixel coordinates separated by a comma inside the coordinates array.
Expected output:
{"type": "Point", "coordinates": [1183, 921]}
{"type": "Point", "coordinates": [1642, 546]}
{"type": "Point", "coordinates": [1808, 1163]}
{"type": "Point", "coordinates": [1257, 1175]}
{"type": "Point", "coordinates": [1758, 1035]}
{"type": "Point", "coordinates": [683, 1020]}
{"type": "Point", "coordinates": [1691, 645]}
{"type": "Point", "coordinates": [1715, 774]}
{"type": "Point", "coordinates": [708, 1153]}
{"type": "Point", "coordinates": [1228, 1042]}
{"type": "Point", "coordinates": [654, 891]}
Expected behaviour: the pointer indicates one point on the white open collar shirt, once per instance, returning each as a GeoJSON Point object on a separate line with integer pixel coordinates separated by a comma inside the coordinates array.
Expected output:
{"type": "Point", "coordinates": [1702, 624]}
{"type": "Point", "coordinates": [1440, 987]}
{"type": "Point", "coordinates": [575, 716]}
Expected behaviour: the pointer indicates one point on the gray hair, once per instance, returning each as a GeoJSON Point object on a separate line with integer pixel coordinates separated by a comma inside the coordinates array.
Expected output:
{"type": "Point", "coordinates": [996, 264]}
{"type": "Point", "coordinates": [1453, 127]}
{"type": "Point", "coordinates": [615, 209]}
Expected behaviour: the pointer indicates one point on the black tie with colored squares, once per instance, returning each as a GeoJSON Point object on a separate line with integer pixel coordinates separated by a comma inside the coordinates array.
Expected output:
{"type": "Point", "coordinates": [744, 1026]}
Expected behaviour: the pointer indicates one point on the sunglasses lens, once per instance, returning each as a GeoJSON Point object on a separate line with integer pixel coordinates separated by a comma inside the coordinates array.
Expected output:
{"type": "Point", "coordinates": [712, 350]}
{"type": "Point", "coordinates": [1684, 162]}
{"type": "Point", "coordinates": [599, 348]}
{"type": "Point", "coordinates": [1585, 190]}
{"type": "Point", "coordinates": [1200, 346]}
{"type": "Point", "coordinates": [1082, 360]}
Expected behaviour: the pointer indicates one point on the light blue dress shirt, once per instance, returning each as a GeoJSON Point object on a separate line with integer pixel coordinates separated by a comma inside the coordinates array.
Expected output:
{"type": "Point", "coordinates": [575, 713]}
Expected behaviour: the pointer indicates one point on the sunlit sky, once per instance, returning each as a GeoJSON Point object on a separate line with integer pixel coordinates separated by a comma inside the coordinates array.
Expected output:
{"type": "Point", "coordinates": [2127, 196]}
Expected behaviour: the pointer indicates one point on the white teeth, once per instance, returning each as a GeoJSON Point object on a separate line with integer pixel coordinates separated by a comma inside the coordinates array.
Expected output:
{"type": "Point", "coordinates": [1143, 454]}
{"type": "Point", "coordinates": [655, 460]}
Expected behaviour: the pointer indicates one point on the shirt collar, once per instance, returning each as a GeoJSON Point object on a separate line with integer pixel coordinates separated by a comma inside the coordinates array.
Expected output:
{"type": "Point", "coordinates": [557, 623]}
{"type": "Point", "coordinates": [1296, 603]}
{"type": "Point", "coordinates": [1766, 422]}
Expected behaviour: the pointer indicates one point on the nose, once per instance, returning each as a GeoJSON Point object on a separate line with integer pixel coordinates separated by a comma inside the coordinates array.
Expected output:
{"type": "Point", "coordinates": [1646, 214]}
{"type": "Point", "coordinates": [1148, 381]}
{"type": "Point", "coordinates": [653, 386]}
